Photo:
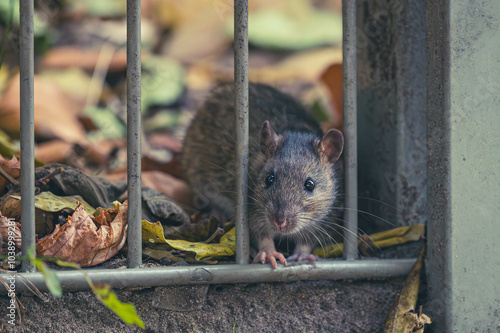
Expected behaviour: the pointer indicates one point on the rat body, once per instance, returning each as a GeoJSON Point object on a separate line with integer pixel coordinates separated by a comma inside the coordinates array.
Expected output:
{"type": "Point", "coordinates": [293, 174]}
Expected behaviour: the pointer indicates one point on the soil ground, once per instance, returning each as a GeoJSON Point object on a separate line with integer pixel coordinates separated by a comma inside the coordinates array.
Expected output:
{"type": "Point", "coordinates": [305, 306]}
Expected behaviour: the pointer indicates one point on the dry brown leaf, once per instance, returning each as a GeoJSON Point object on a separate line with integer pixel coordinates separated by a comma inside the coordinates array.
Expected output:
{"type": "Point", "coordinates": [402, 317]}
{"type": "Point", "coordinates": [55, 112]}
{"type": "Point", "coordinates": [55, 151]}
{"type": "Point", "coordinates": [103, 217]}
{"type": "Point", "coordinates": [332, 79]}
{"type": "Point", "coordinates": [199, 28]}
{"type": "Point", "coordinates": [14, 228]}
{"type": "Point", "coordinates": [174, 13]}
{"type": "Point", "coordinates": [200, 76]}
{"type": "Point", "coordinates": [81, 241]}
{"type": "Point", "coordinates": [100, 152]}
{"type": "Point", "coordinates": [58, 151]}
{"type": "Point", "coordinates": [11, 207]}
{"type": "Point", "coordinates": [174, 188]}
{"type": "Point", "coordinates": [165, 141]}
{"type": "Point", "coordinates": [148, 8]}
{"type": "Point", "coordinates": [12, 168]}
{"type": "Point", "coordinates": [307, 66]}
{"type": "Point", "coordinates": [68, 56]}
{"type": "Point", "coordinates": [204, 40]}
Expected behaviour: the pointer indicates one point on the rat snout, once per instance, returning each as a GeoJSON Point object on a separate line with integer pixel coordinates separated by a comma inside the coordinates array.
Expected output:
{"type": "Point", "coordinates": [280, 222]}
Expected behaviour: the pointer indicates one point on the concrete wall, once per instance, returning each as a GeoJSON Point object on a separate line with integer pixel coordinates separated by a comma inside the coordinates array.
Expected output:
{"type": "Point", "coordinates": [391, 111]}
{"type": "Point", "coordinates": [463, 109]}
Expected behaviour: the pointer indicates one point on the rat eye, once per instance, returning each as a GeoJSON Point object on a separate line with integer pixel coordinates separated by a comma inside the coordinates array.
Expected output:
{"type": "Point", "coordinates": [309, 185]}
{"type": "Point", "coordinates": [270, 179]}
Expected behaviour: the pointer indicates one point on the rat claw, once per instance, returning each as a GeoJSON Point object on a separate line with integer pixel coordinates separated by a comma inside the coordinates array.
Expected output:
{"type": "Point", "coordinates": [300, 257]}
{"type": "Point", "coordinates": [303, 252]}
{"type": "Point", "coordinates": [270, 256]}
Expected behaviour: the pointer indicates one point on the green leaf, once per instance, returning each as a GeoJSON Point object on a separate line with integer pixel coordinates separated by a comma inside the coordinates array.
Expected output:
{"type": "Point", "coordinates": [73, 81]}
{"type": "Point", "coordinates": [68, 264]}
{"type": "Point", "coordinates": [108, 8]}
{"type": "Point", "coordinates": [50, 202]}
{"type": "Point", "coordinates": [7, 148]}
{"type": "Point", "coordinates": [40, 23]}
{"type": "Point", "coordinates": [162, 120]}
{"type": "Point", "coordinates": [49, 275]}
{"type": "Point", "coordinates": [294, 27]}
{"type": "Point", "coordinates": [125, 311]}
{"type": "Point", "coordinates": [109, 126]}
{"type": "Point", "coordinates": [162, 81]}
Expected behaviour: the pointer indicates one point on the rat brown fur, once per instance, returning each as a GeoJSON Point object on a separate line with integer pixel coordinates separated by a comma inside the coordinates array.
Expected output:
{"type": "Point", "coordinates": [293, 177]}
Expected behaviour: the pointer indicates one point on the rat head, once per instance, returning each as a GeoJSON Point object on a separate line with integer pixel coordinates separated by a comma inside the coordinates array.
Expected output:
{"type": "Point", "coordinates": [297, 186]}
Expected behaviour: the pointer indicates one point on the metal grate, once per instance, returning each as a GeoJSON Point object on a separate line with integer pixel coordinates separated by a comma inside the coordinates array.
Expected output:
{"type": "Point", "coordinates": [242, 272]}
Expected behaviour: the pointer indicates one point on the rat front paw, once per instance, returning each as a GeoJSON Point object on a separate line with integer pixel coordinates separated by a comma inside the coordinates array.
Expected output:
{"type": "Point", "coordinates": [269, 256]}
{"type": "Point", "coordinates": [302, 252]}
{"type": "Point", "coordinates": [302, 256]}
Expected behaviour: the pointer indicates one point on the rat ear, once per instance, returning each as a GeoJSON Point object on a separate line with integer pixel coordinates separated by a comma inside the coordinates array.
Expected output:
{"type": "Point", "coordinates": [268, 139]}
{"type": "Point", "coordinates": [331, 145]}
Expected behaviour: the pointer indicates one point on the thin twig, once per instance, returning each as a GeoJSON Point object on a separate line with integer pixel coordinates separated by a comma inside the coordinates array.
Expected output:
{"type": "Point", "coordinates": [217, 232]}
{"type": "Point", "coordinates": [5, 175]}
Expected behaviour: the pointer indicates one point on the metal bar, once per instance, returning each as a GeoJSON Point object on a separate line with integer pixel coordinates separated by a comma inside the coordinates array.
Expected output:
{"type": "Point", "coordinates": [134, 132]}
{"type": "Point", "coordinates": [350, 129]}
{"type": "Point", "coordinates": [241, 104]}
{"type": "Point", "coordinates": [26, 64]}
{"type": "Point", "coordinates": [216, 274]}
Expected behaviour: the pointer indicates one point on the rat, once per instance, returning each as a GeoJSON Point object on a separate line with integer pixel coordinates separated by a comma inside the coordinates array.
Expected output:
{"type": "Point", "coordinates": [294, 183]}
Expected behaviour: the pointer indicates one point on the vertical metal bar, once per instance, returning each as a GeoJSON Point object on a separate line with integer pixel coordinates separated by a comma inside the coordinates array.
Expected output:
{"type": "Point", "coordinates": [134, 132]}
{"type": "Point", "coordinates": [241, 103]}
{"type": "Point", "coordinates": [350, 129]}
{"type": "Point", "coordinates": [26, 64]}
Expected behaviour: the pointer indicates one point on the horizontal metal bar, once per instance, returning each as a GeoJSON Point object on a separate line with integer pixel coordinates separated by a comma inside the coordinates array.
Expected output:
{"type": "Point", "coordinates": [217, 274]}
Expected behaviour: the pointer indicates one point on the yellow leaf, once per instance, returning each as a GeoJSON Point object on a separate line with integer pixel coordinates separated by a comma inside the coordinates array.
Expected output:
{"type": "Point", "coordinates": [152, 232]}
{"type": "Point", "coordinates": [402, 317]}
{"type": "Point", "coordinates": [50, 202]}
{"type": "Point", "coordinates": [225, 248]}
{"type": "Point", "coordinates": [382, 239]}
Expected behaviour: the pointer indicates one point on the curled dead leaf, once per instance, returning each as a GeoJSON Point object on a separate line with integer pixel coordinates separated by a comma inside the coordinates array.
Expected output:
{"type": "Point", "coordinates": [83, 241]}
{"type": "Point", "coordinates": [11, 168]}
{"type": "Point", "coordinates": [10, 230]}
{"type": "Point", "coordinates": [402, 317]}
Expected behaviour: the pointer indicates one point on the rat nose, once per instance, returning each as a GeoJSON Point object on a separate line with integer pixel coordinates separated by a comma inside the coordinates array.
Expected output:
{"type": "Point", "coordinates": [280, 223]}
